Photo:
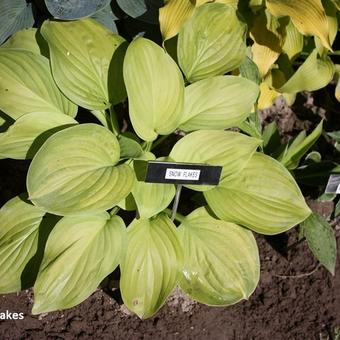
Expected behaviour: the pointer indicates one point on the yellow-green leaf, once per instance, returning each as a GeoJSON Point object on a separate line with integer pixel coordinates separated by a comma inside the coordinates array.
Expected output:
{"type": "Point", "coordinates": [293, 44]}
{"type": "Point", "coordinates": [332, 18]}
{"type": "Point", "coordinates": [151, 266]}
{"type": "Point", "coordinates": [74, 172]}
{"type": "Point", "coordinates": [28, 133]}
{"type": "Point", "coordinates": [221, 50]}
{"type": "Point", "coordinates": [221, 260]}
{"type": "Point", "coordinates": [315, 73]}
{"type": "Point", "coordinates": [217, 103]}
{"type": "Point", "coordinates": [337, 88]}
{"type": "Point", "coordinates": [228, 149]}
{"type": "Point", "coordinates": [308, 16]}
{"type": "Point", "coordinates": [268, 33]}
{"type": "Point", "coordinates": [267, 96]}
{"type": "Point", "coordinates": [227, 2]}
{"type": "Point", "coordinates": [173, 15]}
{"type": "Point", "coordinates": [19, 228]}
{"type": "Point", "coordinates": [86, 61]}
{"type": "Point", "coordinates": [155, 89]}
{"type": "Point", "coordinates": [299, 147]}
{"type": "Point", "coordinates": [80, 252]}
{"type": "Point", "coordinates": [26, 85]}
{"type": "Point", "coordinates": [264, 197]}
{"type": "Point", "coordinates": [28, 39]}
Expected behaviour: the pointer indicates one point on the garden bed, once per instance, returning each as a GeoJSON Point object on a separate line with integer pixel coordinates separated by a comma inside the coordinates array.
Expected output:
{"type": "Point", "coordinates": [295, 299]}
{"type": "Point", "coordinates": [285, 305]}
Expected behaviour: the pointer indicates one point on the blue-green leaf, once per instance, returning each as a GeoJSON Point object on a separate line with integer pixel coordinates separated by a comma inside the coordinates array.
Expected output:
{"type": "Point", "coordinates": [14, 16]}
{"type": "Point", "coordinates": [74, 9]}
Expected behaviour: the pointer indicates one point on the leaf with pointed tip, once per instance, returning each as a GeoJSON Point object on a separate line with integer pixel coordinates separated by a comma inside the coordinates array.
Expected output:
{"type": "Point", "coordinates": [292, 156]}
{"type": "Point", "coordinates": [249, 70]}
{"type": "Point", "coordinates": [14, 16]}
{"type": "Point", "coordinates": [129, 148]}
{"type": "Point", "coordinates": [173, 15]}
{"type": "Point", "coordinates": [221, 260]}
{"type": "Point", "coordinates": [151, 266]}
{"type": "Point", "coordinates": [80, 252]}
{"type": "Point", "coordinates": [30, 130]}
{"type": "Point", "coordinates": [308, 16]}
{"type": "Point", "coordinates": [293, 44]}
{"type": "Point", "coordinates": [155, 89]}
{"type": "Point", "coordinates": [315, 73]}
{"type": "Point", "coordinates": [152, 198]}
{"type": "Point", "coordinates": [231, 150]}
{"type": "Point", "coordinates": [211, 42]}
{"type": "Point", "coordinates": [321, 240]}
{"type": "Point", "coordinates": [26, 85]}
{"type": "Point", "coordinates": [86, 61]}
{"type": "Point", "coordinates": [19, 230]}
{"type": "Point", "coordinates": [217, 103]}
{"type": "Point", "coordinates": [75, 172]}
{"type": "Point", "coordinates": [332, 18]}
{"type": "Point", "coordinates": [74, 9]}
{"type": "Point", "coordinates": [264, 197]}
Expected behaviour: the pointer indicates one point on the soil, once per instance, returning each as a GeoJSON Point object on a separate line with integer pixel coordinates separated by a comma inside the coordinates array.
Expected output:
{"type": "Point", "coordinates": [295, 299]}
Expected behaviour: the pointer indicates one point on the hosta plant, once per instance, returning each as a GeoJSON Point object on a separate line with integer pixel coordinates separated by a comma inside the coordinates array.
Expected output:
{"type": "Point", "coordinates": [70, 230]}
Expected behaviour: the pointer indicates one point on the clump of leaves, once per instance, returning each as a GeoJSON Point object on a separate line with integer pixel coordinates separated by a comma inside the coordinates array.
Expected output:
{"type": "Point", "coordinates": [66, 235]}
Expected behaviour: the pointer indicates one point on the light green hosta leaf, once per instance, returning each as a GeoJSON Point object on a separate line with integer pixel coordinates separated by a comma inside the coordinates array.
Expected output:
{"type": "Point", "coordinates": [86, 60]}
{"type": "Point", "coordinates": [74, 172]}
{"type": "Point", "coordinates": [26, 85]}
{"type": "Point", "coordinates": [151, 265]}
{"type": "Point", "coordinates": [14, 16]}
{"type": "Point", "coordinates": [231, 150]}
{"type": "Point", "coordinates": [308, 16]}
{"type": "Point", "coordinates": [129, 148]}
{"type": "Point", "coordinates": [292, 156]}
{"type": "Point", "coordinates": [28, 39]}
{"type": "Point", "coordinates": [221, 260]}
{"type": "Point", "coordinates": [249, 70]}
{"type": "Point", "coordinates": [293, 44]}
{"type": "Point", "coordinates": [19, 227]}
{"type": "Point", "coordinates": [74, 9]}
{"type": "Point", "coordinates": [155, 89]}
{"type": "Point", "coordinates": [321, 240]}
{"type": "Point", "coordinates": [218, 103]}
{"type": "Point", "coordinates": [315, 73]}
{"type": "Point", "coordinates": [264, 197]}
{"type": "Point", "coordinates": [211, 42]}
{"type": "Point", "coordinates": [152, 198]}
{"type": "Point", "coordinates": [25, 136]}
{"type": "Point", "coordinates": [80, 252]}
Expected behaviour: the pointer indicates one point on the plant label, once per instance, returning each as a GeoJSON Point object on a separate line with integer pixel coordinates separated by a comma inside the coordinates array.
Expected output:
{"type": "Point", "coordinates": [180, 173]}
{"type": "Point", "coordinates": [333, 185]}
